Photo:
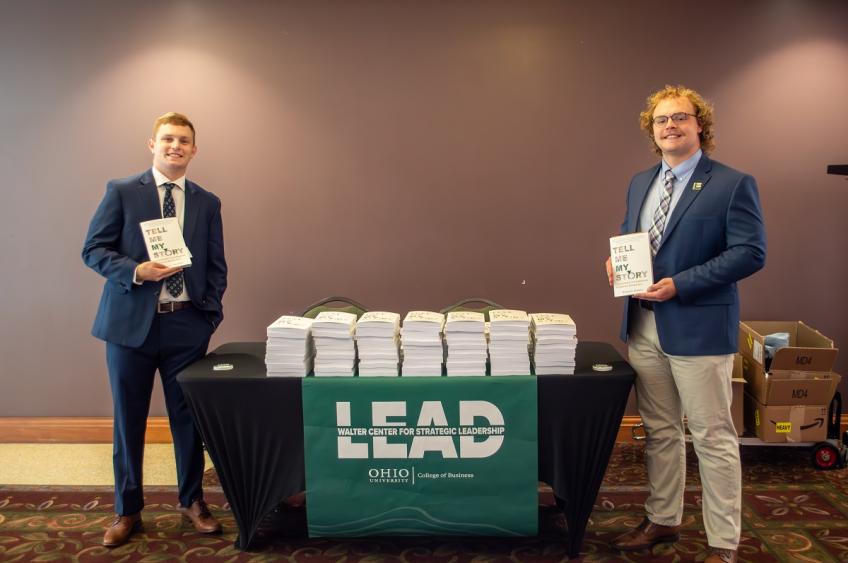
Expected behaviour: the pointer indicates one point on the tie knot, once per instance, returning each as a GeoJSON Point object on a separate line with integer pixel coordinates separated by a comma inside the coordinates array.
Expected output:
{"type": "Point", "coordinates": [669, 176]}
{"type": "Point", "coordinates": [169, 186]}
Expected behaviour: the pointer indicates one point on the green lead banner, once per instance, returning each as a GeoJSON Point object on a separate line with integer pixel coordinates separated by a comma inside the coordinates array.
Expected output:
{"type": "Point", "coordinates": [421, 456]}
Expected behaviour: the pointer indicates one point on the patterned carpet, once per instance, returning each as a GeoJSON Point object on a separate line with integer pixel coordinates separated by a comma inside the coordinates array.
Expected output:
{"type": "Point", "coordinates": [791, 512]}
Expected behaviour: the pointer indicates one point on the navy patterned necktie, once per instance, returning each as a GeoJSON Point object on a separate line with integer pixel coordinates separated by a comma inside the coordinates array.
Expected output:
{"type": "Point", "coordinates": [169, 209]}
{"type": "Point", "coordinates": [661, 214]}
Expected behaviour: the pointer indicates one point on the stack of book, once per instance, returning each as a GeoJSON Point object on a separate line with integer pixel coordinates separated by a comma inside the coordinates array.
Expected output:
{"type": "Point", "coordinates": [554, 343]}
{"type": "Point", "coordinates": [289, 350]}
{"type": "Point", "coordinates": [466, 343]}
{"type": "Point", "coordinates": [335, 349]}
{"type": "Point", "coordinates": [509, 341]}
{"type": "Point", "coordinates": [421, 340]}
{"type": "Point", "coordinates": [378, 343]}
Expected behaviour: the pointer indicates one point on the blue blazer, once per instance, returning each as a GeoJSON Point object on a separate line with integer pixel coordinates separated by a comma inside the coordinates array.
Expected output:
{"type": "Point", "coordinates": [714, 238]}
{"type": "Point", "coordinates": [114, 247]}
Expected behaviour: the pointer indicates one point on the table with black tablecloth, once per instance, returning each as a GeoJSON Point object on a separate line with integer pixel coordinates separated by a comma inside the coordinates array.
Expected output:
{"type": "Point", "coordinates": [253, 429]}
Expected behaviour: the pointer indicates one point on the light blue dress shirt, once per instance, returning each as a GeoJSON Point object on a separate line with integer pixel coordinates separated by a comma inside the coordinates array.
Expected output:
{"type": "Point", "coordinates": [682, 173]}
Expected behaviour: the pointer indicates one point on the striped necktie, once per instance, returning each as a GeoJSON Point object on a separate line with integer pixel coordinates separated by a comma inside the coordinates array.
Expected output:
{"type": "Point", "coordinates": [661, 214]}
{"type": "Point", "coordinates": [169, 209]}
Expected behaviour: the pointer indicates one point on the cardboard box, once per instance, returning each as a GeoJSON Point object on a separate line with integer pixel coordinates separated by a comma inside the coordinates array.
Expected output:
{"type": "Point", "coordinates": [779, 424]}
{"type": "Point", "coordinates": [808, 350]}
{"type": "Point", "coordinates": [799, 374]}
{"type": "Point", "coordinates": [783, 388]}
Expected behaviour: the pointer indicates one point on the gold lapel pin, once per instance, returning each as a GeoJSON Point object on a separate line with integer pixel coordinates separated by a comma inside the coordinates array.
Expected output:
{"type": "Point", "coordinates": [697, 186]}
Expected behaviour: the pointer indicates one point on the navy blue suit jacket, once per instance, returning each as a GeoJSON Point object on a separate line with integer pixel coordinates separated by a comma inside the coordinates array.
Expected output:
{"type": "Point", "coordinates": [714, 238]}
{"type": "Point", "coordinates": [114, 246]}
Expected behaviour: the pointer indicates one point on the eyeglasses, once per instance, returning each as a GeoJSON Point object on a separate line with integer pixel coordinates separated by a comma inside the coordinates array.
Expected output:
{"type": "Point", "coordinates": [679, 117]}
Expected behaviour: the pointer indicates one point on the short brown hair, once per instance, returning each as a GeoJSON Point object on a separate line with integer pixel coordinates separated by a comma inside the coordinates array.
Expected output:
{"type": "Point", "coordinates": [173, 118]}
{"type": "Point", "coordinates": [703, 113]}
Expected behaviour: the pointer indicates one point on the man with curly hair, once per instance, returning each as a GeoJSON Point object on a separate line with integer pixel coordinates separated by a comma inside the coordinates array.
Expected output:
{"type": "Point", "coordinates": [706, 233]}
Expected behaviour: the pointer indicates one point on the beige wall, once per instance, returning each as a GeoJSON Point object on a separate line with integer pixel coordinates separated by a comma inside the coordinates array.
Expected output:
{"type": "Point", "coordinates": [405, 154]}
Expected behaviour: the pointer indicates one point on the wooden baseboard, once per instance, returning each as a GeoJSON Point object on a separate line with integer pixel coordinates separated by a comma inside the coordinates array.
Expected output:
{"type": "Point", "coordinates": [625, 431]}
{"type": "Point", "coordinates": [98, 429]}
{"type": "Point", "coordinates": [74, 429]}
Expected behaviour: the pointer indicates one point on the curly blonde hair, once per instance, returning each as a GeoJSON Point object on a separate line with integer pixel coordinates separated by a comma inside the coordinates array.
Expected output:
{"type": "Point", "coordinates": [703, 113]}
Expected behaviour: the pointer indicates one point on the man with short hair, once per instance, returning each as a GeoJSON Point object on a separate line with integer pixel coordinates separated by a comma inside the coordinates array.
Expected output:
{"type": "Point", "coordinates": [706, 233]}
{"type": "Point", "coordinates": [154, 317]}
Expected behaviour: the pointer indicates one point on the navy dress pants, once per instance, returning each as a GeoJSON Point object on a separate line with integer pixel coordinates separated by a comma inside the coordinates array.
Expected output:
{"type": "Point", "coordinates": [175, 340]}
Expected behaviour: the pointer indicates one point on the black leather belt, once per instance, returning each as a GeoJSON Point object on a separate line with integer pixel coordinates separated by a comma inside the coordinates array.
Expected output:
{"type": "Point", "coordinates": [647, 305]}
{"type": "Point", "coordinates": [171, 306]}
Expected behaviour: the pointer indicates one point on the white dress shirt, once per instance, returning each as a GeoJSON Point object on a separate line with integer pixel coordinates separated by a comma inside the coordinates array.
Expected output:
{"type": "Point", "coordinates": [178, 193]}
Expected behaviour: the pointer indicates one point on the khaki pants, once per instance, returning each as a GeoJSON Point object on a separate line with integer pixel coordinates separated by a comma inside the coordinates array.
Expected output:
{"type": "Point", "coordinates": [699, 387]}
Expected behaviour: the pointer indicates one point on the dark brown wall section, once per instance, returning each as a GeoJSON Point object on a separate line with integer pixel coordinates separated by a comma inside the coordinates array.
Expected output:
{"type": "Point", "coordinates": [403, 153]}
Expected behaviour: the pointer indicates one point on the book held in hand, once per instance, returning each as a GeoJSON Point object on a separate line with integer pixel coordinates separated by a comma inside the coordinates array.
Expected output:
{"type": "Point", "coordinates": [165, 243]}
{"type": "Point", "coordinates": [632, 269]}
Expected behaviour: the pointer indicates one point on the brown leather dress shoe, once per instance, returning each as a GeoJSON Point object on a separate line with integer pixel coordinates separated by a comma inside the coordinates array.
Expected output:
{"type": "Point", "coordinates": [121, 529]}
{"type": "Point", "coordinates": [719, 555]}
{"type": "Point", "coordinates": [645, 536]}
{"type": "Point", "coordinates": [199, 515]}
